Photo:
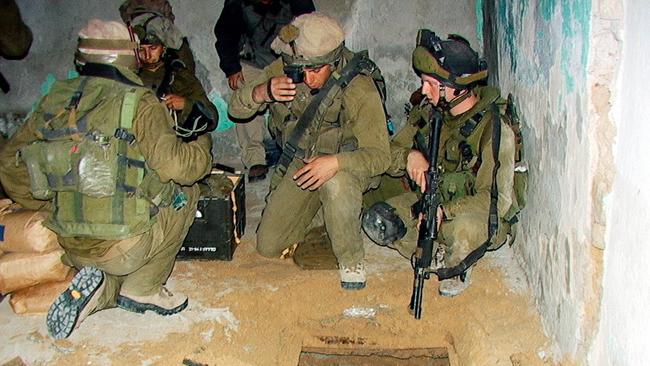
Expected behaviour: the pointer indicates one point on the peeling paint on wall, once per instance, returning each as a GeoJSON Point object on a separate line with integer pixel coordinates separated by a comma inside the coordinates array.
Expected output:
{"type": "Point", "coordinates": [547, 9]}
{"type": "Point", "coordinates": [479, 21]}
{"type": "Point", "coordinates": [543, 55]}
{"type": "Point", "coordinates": [507, 22]}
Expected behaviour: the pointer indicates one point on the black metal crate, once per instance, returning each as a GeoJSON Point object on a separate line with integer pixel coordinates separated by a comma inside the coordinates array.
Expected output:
{"type": "Point", "coordinates": [218, 225]}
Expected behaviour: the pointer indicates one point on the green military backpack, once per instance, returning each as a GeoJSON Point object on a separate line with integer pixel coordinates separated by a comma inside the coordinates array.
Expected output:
{"type": "Point", "coordinates": [521, 166]}
{"type": "Point", "coordinates": [86, 159]}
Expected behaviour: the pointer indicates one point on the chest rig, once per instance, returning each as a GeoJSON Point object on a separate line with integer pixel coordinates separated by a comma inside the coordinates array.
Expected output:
{"type": "Point", "coordinates": [314, 125]}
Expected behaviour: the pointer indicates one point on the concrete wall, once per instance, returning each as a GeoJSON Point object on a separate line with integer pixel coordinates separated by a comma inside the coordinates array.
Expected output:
{"type": "Point", "coordinates": [545, 57]}
{"type": "Point", "coordinates": [386, 28]}
{"type": "Point", "coordinates": [625, 326]}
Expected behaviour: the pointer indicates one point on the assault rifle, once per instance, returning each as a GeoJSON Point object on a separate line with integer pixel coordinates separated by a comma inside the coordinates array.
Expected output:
{"type": "Point", "coordinates": [428, 207]}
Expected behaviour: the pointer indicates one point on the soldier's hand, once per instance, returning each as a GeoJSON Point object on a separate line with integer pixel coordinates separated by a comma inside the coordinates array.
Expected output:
{"type": "Point", "coordinates": [278, 89]}
{"type": "Point", "coordinates": [316, 172]}
{"type": "Point", "coordinates": [236, 80]}
{"type": "Point", "coordinates": [440, 216]}
{"type": "Point", "coordinates": [416, 167]}
{"type": "Point", "coordinates": [175, 102]}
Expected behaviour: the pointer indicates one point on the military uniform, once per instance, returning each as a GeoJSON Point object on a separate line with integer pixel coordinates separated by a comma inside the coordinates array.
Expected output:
{"type": "Point", "coordinates": [244, 24]}
{"type": "Point", "coordinates": [354, 129]}
{"type": "Point", "coordinates": [466, 162]}
{"type": "Point", "coordinates": [140, 262]}
{"type": "Point", "coordinates": [131, 10]}
{"type": "Point", "coordinates": [182, 83]}
{"type": "Point", "coordinates": [15, 35]}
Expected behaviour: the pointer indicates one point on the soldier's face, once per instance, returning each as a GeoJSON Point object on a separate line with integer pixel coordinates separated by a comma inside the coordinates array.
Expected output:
{"type": "Point", "coordinates": [151, 53]}
{"type": "Point", "coordinates": [431, 89]}
{"type": "Point", "coordinates": [316, 77]}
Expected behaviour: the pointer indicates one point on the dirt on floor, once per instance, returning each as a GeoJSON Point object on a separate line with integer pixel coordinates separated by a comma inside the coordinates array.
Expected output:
{"type": "Point", "coordinates": [257, 311]}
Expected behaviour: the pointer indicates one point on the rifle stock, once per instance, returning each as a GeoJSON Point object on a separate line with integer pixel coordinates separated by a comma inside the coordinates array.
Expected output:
{"type": "Point", "coordinates": [428, 231]}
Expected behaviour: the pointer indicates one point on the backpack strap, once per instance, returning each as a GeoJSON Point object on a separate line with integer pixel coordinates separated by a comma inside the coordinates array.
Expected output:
{"type": "Point", "coordinates": [493, 217]}
{"type": "Point", "coordinates": [125, 138]}
{"type": "Point", "coordinates": [72, 108]}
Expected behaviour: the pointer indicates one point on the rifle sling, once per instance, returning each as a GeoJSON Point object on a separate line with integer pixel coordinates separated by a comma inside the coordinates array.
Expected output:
{"type": "Point", "coordinates": [316, 109]}
{"type": "Point", "coordinates": [493, 218]}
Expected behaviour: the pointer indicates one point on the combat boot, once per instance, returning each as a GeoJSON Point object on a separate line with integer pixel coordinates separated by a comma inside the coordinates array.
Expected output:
{"type": "Point", "coordinates": [75, 303]}
{"type": "Point", "coordinates": [257, 173]}
{"type": "Point", "coordinates": [455, 285]}
{"type": "Point", "coordinates": [162, 303]}
{"type": "Point", "coordinates": [353, 278]}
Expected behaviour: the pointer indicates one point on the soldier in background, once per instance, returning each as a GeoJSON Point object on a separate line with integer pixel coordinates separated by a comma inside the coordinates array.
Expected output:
{"type": "Point", "coordinates": [15, 37]}
{"type": "Point", "coordinates": [244, 32]}
{"type": "Point", "coordinates": [136, 12]}
{"type": "Point", "coordinates": [173, 82]}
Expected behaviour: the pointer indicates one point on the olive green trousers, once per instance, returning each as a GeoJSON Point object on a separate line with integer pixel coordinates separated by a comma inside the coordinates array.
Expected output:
{"type": "Point", "coordinates": [250, 133]}
{"type": "Point", "coordinates": [290, 210]}
{"type": "Point", "coordinates": [458, 237]}
{"type": "Point", "coordinates": [141, 265]}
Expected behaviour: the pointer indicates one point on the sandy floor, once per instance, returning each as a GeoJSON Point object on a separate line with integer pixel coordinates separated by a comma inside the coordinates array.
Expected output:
{"type": "Point", "coordinates": [256, 311]}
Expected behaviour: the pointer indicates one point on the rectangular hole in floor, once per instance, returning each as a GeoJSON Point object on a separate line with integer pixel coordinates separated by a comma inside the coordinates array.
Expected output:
{"type": "Point", "coordinates": [375, 357]}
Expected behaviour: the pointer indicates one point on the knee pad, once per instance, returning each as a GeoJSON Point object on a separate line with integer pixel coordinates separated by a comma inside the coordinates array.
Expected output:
{"type": "Point", "coordinates": [382, 225]}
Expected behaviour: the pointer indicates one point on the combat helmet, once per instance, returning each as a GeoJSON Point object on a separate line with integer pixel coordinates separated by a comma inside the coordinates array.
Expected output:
{"type": "Point", "coordinates": [154, 28]}
{"type": "Point", "coordinates": [311, 40]}
{"type": "Point", "coordinates": [108, 43]}
{"type": "Point", "coordinates": [452, 61]}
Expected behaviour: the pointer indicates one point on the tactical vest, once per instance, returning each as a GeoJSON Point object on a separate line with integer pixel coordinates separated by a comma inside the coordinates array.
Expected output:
{"type": "Point", "coordinates": [326, 129]}
{"type": "Point", "coordinates": [87, 160]}
{"type": "Point", "coordinates": [461, 149]}
{"type": "Point", "coordinates": [261, 29]}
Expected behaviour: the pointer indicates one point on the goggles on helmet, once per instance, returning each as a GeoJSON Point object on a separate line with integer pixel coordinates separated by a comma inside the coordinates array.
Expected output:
{"type": "Point", "coordinates": [429, 56]}
{"type": "Point", "coordinates": [129, 61]}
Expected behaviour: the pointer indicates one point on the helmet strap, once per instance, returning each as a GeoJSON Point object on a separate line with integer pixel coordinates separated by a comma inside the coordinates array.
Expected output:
{"type": "Point", "coordinates": [442, 98]}
{"type": "Point", "coordinates": [459, 98]}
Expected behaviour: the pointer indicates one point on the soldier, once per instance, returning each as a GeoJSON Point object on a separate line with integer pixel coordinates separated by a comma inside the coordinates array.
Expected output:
{"type": "Point", "coordinates": [136, 12]}
{"type": "Point", "coordinates": [450, 72]}
{"type": "Point", "coordinates": [244, 34]}
{"type": "Point", "coordinates": [15, 37]}
{"type": "Point", "coordinates": [123, 184]}
{"type": "Point", "coordinates": [163, 71]}
{"type": "Point", "coordinates": [335, 139]}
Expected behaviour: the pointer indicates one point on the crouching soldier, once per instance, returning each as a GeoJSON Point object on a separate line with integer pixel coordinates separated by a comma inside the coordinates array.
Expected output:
{"type": "Point", "coordinates": [173, 82]}
{"type": "Point", "coordinates": [329, 117]}
{"type": "Point", "coordinates": [103, 150]}
{"type": "Point", "coordinates": [476, 162]}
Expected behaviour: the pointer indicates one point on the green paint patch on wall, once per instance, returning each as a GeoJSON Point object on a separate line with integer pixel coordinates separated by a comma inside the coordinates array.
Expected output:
{"type": "Point", "coordinates": [571, 39]}
{"type": "Point", "coordinates": [507, 21]}
{"type": "Point", "coordinates": [566, 69]}
{"type": "Point", "coordinates": [547, 8]}
{"type": "Point", "coordinates": [576, 22]}
{"type": "Point", "coordinates": [222, 107]}
{"type": "Point", "coordinates": [479, 21]}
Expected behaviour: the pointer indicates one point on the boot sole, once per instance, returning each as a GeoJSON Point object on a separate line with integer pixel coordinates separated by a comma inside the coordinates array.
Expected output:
{"type": "Point", "coordinates": [353, 285]}
{"type": "Point", "coordinates": [65, 313]}
{"type": "Point", "coordinates": [138, 307]}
